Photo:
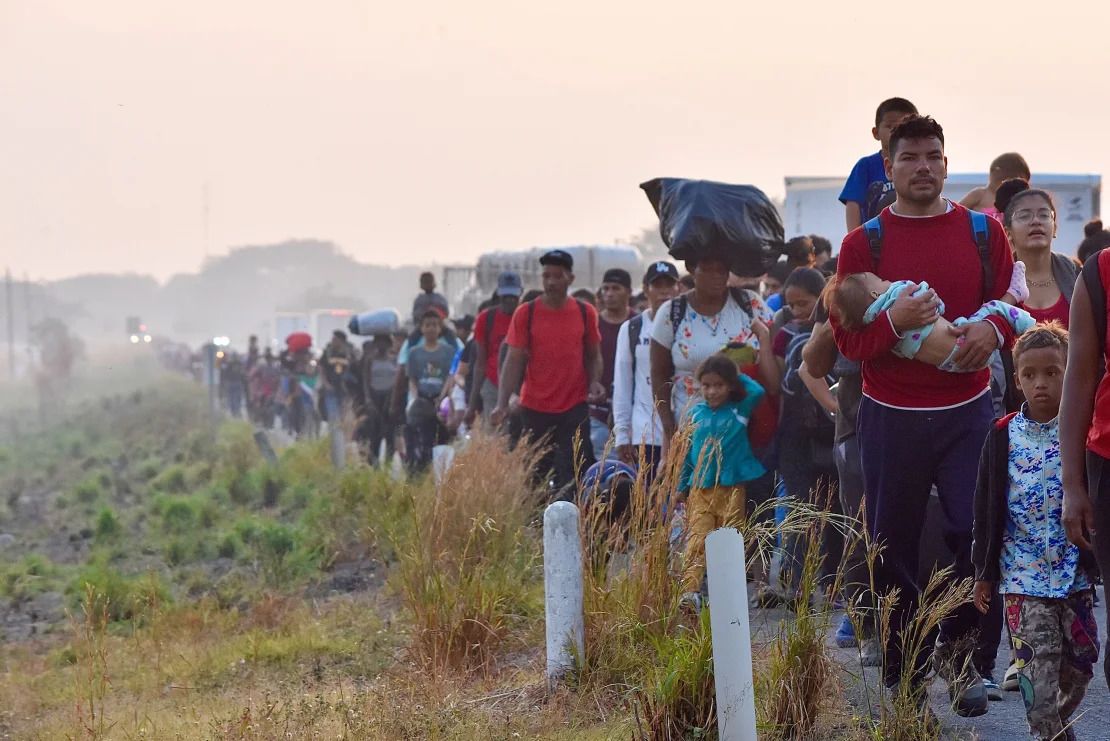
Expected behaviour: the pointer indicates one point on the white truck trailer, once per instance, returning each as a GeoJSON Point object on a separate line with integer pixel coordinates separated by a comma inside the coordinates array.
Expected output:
{"type": "Point", "coordinates": [467, 286]}
{"type": "Point", "coordinates": [812, 207]}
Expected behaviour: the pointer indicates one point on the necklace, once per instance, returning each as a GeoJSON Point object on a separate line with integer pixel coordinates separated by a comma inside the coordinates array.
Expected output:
{"type": "Point", "coordinates": [712, 323]}
{"type": "Point", "coordinates": [1041, 283]}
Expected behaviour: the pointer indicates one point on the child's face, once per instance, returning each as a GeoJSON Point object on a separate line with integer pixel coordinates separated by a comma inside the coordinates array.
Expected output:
{"type": "Point", "coordinates": [714, 390]}
{"type": "Point", "coordinates": [886, 126]}
{"type": "Point", "coordinates": [1040, 375]}
{"type": "Point", "coordinates": [430, 328]}
{"type": "Point", "coordinates": [800, 301]}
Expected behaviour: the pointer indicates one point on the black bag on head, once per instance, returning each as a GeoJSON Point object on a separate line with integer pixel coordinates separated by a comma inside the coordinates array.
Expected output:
{"type": "Point", "coordinates": [701, 217]}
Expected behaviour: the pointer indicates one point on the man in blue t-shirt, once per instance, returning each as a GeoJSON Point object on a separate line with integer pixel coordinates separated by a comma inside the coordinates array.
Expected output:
{"type": "Point", "coordinates": [868, 190]}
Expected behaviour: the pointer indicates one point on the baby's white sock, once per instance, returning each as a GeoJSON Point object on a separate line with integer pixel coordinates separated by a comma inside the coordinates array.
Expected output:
{"type": "Point", "coordinates": [1019, 289]}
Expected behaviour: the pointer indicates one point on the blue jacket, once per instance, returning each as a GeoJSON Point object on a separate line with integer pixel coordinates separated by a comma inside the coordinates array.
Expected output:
{"type": "Point", "coordinates": [720, 453]}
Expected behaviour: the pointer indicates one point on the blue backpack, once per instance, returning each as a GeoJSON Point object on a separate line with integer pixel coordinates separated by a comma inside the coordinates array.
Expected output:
{"type": "Point", "coordinates": [979, 232]}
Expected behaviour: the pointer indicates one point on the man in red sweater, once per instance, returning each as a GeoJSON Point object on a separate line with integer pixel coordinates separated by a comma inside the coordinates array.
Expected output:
{"type": "Point", "coordinates": [918, 426]}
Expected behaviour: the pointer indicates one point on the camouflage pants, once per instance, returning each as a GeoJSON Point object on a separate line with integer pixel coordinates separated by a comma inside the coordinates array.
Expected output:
{"type": "Point", "coordinates": [1055, 648]}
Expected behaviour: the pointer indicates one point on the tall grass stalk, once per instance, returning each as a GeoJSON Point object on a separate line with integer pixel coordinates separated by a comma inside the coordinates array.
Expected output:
{"type": "Point", "coordinates": [468, 555]}
{"type": "Point", "coordinates": [90, 671]}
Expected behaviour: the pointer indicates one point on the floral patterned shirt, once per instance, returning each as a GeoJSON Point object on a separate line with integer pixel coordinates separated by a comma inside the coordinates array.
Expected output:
{"type": "Point", "coordinates": [700, 336]}
{"type": "Point", "coordinates": [1037, 559]}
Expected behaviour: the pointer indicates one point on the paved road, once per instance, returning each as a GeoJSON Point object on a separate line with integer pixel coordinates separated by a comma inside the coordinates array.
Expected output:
{"type": "Point", "coordinates": [1006, 719]}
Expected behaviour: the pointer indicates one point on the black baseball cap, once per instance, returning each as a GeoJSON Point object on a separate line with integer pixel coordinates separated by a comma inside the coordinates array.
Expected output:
{"type": "Point", "coordinates": [558, 257]}
{"type": "Point", "coordinates": [618, 276]}
{"type": "Point", "coordinates": [660, 269]}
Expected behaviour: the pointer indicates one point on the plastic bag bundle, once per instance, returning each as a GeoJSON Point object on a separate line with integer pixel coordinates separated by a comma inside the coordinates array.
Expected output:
{"type": "Point", "coordinates": [381, 321]}
{"type": "Point", "coordinates": [701, 217]}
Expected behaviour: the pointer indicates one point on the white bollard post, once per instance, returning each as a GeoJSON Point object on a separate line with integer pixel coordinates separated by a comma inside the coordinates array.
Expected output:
{"type": "Point", "coordinates": [562, 589]}
{"type": "Point", "coordinates": [732, 638]}
{"type": "Point", "coordinates": [443, 457]}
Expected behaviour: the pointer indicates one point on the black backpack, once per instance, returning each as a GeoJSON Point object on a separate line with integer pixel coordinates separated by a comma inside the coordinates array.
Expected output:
{"type": "Point", "coordinates": [679, 303]}
{"type": "Point", "coordinates": [798, 402]}
{"type": "Point", "coordinates": [635, 329]}
{"type": "Point", "coordinates": [1092, 279]}
{"type": "Point", "coordinates": [581, 309]}
{"type": "Point", "coordinates": [503, 349]}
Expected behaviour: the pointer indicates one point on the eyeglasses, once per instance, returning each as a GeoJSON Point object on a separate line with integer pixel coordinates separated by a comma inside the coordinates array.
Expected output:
{"type": "Point", "coordinates": [1027, 216]}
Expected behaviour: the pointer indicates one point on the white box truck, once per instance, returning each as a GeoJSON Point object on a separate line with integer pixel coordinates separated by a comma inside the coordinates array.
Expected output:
{"type": "Point", "coordinates": [812, 207]}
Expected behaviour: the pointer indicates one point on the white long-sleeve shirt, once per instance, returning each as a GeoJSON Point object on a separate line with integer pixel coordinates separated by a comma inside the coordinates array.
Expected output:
{"type": "Point", "coordinates": [635, 421]}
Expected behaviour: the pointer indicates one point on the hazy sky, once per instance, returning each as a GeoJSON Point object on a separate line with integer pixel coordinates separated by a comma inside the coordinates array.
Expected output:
{"type": "Point", "coordinates": [433, 131]}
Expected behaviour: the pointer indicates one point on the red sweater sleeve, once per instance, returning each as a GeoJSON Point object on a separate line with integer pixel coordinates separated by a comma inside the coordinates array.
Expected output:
{"type": "Point", "coordinates": [1002, 265]}
{"type": "Point", "coordinates": [878, 337]}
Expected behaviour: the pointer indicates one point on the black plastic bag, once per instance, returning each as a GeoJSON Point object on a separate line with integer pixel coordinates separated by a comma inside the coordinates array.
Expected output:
{"type": "Point", "coordinates": [701, 217]}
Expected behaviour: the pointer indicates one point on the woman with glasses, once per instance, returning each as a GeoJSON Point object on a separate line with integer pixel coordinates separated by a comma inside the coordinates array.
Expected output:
{"type": "Point", "coordinates": [1030, 221]}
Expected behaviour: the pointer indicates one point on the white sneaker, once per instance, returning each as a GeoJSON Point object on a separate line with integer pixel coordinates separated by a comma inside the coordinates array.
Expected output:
{"type": "Point", "coordinates": [1010, 681]}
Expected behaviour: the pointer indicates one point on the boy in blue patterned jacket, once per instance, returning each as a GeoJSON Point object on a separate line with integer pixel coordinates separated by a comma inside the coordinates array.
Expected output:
{"type": "Point", "coordinates": [1021, 550]}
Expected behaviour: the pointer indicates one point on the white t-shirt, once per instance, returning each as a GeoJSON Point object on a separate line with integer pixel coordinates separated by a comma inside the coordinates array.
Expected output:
{"type": "Point", "coordinates": [699, 336]}
{"type": "Point", "coordinates": [635, 421]}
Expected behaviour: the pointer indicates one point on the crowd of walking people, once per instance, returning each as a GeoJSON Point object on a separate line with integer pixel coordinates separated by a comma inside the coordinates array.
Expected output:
{"type": "Point", "coordinates": [947, 365]}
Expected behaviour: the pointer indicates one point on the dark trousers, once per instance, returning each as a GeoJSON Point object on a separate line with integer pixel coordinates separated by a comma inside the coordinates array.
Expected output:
{"type": "Point", "coordinates": [377, 425]}
{"type": "Point", "coordinates": [849, 470]}
{"type": "Point", "coordinates": [990, 637]}
{"type": "Point", "coordinates": [903, 454]}
{"type": "Point", "coordinates": [810, 482]}
{"type": "Point", "coordinates": [646, 459]}
{"type": "Point", "coordinates": [560, 435]}
{"type": "Point", "coordinates": [1098, 485]}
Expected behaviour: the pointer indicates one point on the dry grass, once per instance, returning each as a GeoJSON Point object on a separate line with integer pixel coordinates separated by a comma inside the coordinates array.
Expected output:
{"type": "Point", "coordinates": [455, 650]}
{"type": "Point", "coordinates": [469, 566]}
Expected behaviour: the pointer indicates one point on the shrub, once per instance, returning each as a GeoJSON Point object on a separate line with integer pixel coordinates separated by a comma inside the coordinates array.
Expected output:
{"type": "Point", "coordinates": [240, 487]}
{"type": "Point", "coordinates": [172, 480]}
{"type": "Point", "coordinates": [247, 530]}
{"type": "Point", "coordinates": [229, 546]}
{"type": "Point", "coordinates": [275, 546]}
{"type": "Point", "coordinates": [179, 516]}
{"type": "Point", "coordinates": [176, 552]}
{"type": "Point", "coordinates": [34, 574]}
{"type": "Point", "coordinates": [149, 469]}
{"type": "Point", "coordinates": [340, 520]}
{"type": "Point", "coordinates": [107, 525]}
{"type": "Point", "coordinates": [120, 597]}
{"type": "Point", "coordinates": [88, 491]}
{"type": "Point", "coordinates": [236, 448]}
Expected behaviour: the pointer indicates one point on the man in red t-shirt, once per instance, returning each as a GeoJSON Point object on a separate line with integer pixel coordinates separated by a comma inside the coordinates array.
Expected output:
{"type": "Point", "coordinates": [554, 345]}
{"type": "Point", "coordinates": [491, 326]}
{"type": "Point", "coordinates": [920, 427]}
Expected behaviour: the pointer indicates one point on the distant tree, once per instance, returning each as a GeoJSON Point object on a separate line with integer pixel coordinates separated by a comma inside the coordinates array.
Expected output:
{"type": "Point", "coordinates": [58, 348]}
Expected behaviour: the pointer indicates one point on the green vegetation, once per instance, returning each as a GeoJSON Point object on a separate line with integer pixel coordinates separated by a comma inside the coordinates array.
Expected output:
{"type": "Point", "coordinates": [213, 595]}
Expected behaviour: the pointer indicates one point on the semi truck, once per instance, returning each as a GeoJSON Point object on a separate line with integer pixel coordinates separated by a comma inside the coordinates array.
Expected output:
{"type": "Point", "coordinates": [812, 207]}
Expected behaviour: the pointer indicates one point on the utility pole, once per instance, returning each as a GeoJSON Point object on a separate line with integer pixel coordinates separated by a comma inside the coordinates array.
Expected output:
{"type": "Point", "coordinates": [11, 323]}
{"type": "Point", "coordinates": [206, 208]}
{"type": "Point", "coordinates": [27, 310]}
